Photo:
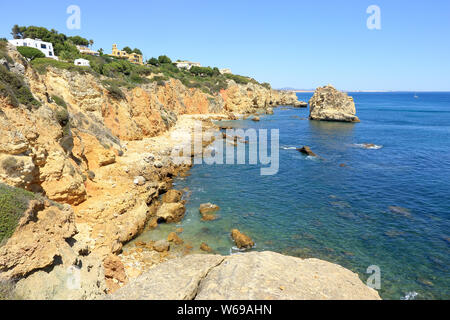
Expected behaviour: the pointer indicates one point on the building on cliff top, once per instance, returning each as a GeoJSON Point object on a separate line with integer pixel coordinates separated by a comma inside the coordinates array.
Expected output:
{"type": "Point", "coordinates": [132, 57]}
{"type": "Point", "coordinates": [225, 71]}
{"type": "Point", "coordinates": [187, 64]}
{"type": "Point", "coordinates": [45, 47]}
{"type": "Point", "coordinates": [86, 50]}
{"type": "Point", "coordinates": [82, 63]}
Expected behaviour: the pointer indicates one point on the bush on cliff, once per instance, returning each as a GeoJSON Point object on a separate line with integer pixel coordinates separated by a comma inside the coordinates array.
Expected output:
{"type": "Point", "coordinates": [41, 65]}
{"type": "Point", "coordinates": [13, 87]}
{"type": "Point", "coordinates": [59, 101]}
{"type": "Point", "coordinates": [13, 203]}
{"type": "Point", "coordinates": [30, 53]}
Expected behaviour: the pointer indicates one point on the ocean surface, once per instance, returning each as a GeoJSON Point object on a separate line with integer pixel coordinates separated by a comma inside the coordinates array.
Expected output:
{"type": "Point", "coordinates": [388, 206]}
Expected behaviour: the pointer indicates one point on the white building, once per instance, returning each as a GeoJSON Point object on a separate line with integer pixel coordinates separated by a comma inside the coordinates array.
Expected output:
{"type": "Point", "coordinates": [45, 47]}
{"type": "Point", "coordinates": [187, 64]}
{"type": "Point", "coordinates": [86, 50]}
{"type": "Point", "coordinates": [82, 63]}
{"type": "Point", "coordinates": [225, 71]}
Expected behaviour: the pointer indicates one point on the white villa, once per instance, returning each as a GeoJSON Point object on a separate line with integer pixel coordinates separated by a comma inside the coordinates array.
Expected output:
{"type": "Point", "coordinates": [225, 71]}
{"type": "Point", "coordinates": [86, 50]}
{"type": "Point", "coordinates": [45, 47]}
{"type": "Point", "coordinates": [187, 64]}
{"type": "Point", "coordinates": [82, 63]}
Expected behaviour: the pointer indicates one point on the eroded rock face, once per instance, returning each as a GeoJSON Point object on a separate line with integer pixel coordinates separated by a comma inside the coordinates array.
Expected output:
{"type": "Point", "coordinates": [171, 212]}
{"type": "Point", "coordinates": [172, 196]}
{"type": "Point", "coordinates": [329, 104]}
{"type": "Point", "coordinates": [39, 239]}
{"type": "Point", "coordinates": [249, 276]}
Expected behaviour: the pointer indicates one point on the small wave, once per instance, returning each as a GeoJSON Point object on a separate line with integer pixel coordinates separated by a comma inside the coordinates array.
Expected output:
{"type": "Point", "coordinates": [410, 296]}
{"type": "Point", "coordinates": [289, 148]}
{"type": "Point", "coordinates": [369, 146]}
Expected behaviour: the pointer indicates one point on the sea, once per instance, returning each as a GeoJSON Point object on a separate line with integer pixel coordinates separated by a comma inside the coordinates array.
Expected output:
{"type": "Point", "coordinates": [377, 196]}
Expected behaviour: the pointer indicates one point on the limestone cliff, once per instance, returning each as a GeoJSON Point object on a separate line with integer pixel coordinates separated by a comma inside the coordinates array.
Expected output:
{"type": "Point", "coordinates": [83, 146]}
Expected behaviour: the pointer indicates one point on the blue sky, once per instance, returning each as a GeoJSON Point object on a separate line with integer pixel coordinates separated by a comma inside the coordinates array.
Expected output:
{"type": "Point", "coordinates": [301, 44]}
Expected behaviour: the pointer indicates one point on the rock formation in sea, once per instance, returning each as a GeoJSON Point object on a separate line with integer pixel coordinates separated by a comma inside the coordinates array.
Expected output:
{"type": "Point", "coordinates": [247, 276]}
{"type": "Point", "coordinates": [329, 104]}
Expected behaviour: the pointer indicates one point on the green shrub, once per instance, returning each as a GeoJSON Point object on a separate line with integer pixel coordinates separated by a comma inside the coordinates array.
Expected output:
{"type": "Point", "coordinates": [13, 203]}
{"type": "Point", "coordinates": [62, 116]}
{"type": "Point", "coordinates": [41, 65]}
{"type": "Point", "coordinates": [164, 59]}
{"type": "Point", "coordinates": [30, 53]}
{"type": "Point", "coordinates": [59, 101]}
{"type": "Point", "coordinates": [13, 87]}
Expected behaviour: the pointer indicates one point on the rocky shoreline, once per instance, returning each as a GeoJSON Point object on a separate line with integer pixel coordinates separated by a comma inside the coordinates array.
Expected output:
{"type": "Point", "coordinates": [101, 163]}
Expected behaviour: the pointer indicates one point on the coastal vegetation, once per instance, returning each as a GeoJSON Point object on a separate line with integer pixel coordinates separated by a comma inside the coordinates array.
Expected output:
{"type": "Point", "coordinates": [12, 85]}
{"type": "Point", "coordinates": [120, 72]}
{"type": "Point", "coordinates": [30, 53]}
{"type": "Point", "coordinates": [13, 203]}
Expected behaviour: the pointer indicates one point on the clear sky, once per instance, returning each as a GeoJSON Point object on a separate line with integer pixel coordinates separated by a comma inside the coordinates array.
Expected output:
{"type": "Point", "coordinates": [301, 44]}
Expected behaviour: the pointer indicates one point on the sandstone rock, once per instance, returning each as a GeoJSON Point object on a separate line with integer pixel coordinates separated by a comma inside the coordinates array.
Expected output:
{"type": "Point", "coordinates": [172, 196]}
{"type": "Point", "coordinates": [161, 246]}
{"type": "Point", "coordinates": [173, 237]}
{"type": "Point", "coordinates": [158, 164]}
{"type": "Point", "coordinates": [301, 104]}
{"type": "Point", "coordinates": [307, 150]}
{"type": "Point", "coordinates": [171, 212]}
{"type": "Point", "coordinates": [205, 247]}
{"type": "Point", "coordinates": [242, 241]}
{"type": "Point", "coordinates": [330, 104]}
{"type": "Point", "coordinates": [139, 181]}
{"type": "Point", "coordinates": [208, 217]}
{"type": "Point", "coordinates": [114, 273]}
{"type": "Point", "coordinates": [248, 276]}
{"type": "Point", "coordinates": [256, 119]}
{"type": "Point", "coordinates": [208, 208]}
{"type": "Point", "coordinates": [38, 240]}
{"type": "Point", "coordinates": [83, 281]}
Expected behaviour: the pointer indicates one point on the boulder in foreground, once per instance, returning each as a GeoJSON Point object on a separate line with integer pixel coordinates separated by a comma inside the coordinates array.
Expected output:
{"type": "Point", "coordinates": [247, 276]}
{"type": "Point", "coordinates": [329, 104]}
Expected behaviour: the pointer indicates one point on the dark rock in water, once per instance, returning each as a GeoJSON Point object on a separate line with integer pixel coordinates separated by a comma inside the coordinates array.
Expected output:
{"type": "Point", "coordinates": [301, 104]}
{"type": "Point", "coordinates": [400, 210]}
{"type": "Point", "coordinates": [256, 119]}
{"type": "Point", "coordinates": [242, 241]}
{"type": "Point", "coordinates": [307, 150]}
{"type": "Point", "coordinates": [342, 165]}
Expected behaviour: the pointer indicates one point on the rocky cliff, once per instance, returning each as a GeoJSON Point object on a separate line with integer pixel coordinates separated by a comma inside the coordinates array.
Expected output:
{"type": "Point", "coordinates": [100, 159]}
{"type": "Point", "coordinates": [329, 104]}
{"type": "Point", "coordinates": [82, 147]}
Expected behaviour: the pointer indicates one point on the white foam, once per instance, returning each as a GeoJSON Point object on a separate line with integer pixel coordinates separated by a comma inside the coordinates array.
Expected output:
{"type": "Point", "coordinates": [410, 296]}
{"type": "Point", "coordinates": [366, 146]}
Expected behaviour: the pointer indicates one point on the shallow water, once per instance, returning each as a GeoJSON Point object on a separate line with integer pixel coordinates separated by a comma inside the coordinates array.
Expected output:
{"type": "Point", "coordinates": [389, 206]}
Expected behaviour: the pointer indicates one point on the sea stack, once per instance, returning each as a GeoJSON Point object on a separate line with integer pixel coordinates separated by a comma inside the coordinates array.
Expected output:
{"type": "Point", "coordinates": [329, 104]}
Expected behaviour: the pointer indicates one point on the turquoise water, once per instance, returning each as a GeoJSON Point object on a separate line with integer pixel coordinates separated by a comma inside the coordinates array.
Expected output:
{"type": "Point", "coordinates": [316, 208]}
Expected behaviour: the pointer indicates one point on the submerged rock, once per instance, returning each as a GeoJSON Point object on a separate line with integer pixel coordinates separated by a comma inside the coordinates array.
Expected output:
{"type": "Point", "coordinates": [205, 247]}
{"type": "Point", "coordinates": [247, 276]}
{"type": "Point", "coordinates": [161, 246]}
{"type": "Point", "coordinates": [307, 150]}
{"type": "Point", "coordinates": [173, 237]}
{"type": "Point", "coordinates": [208, 208]}
{"type": "Point", "coordinates": [329, 104]}
{"type": "Point", "coordinates": [242, 241]}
